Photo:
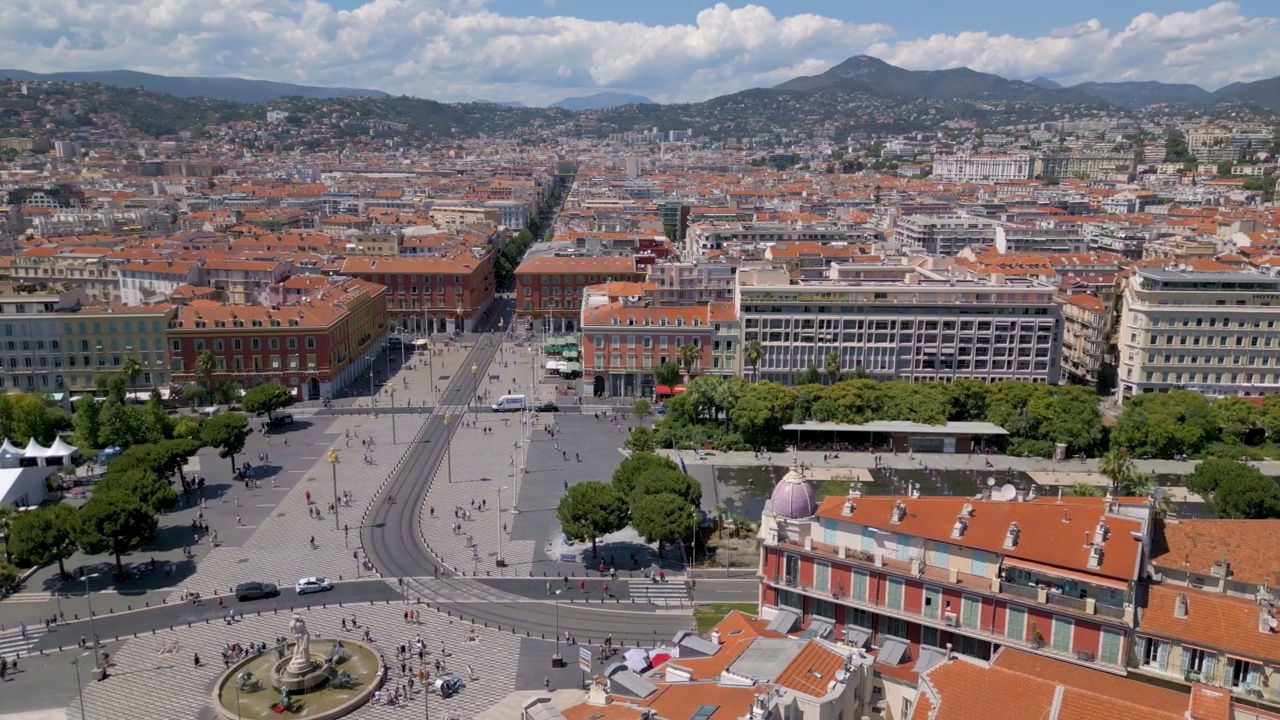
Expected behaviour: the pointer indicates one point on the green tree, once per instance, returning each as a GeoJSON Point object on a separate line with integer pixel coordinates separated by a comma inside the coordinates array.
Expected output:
{"type": "Point", "coordinates": [1066, 414]}
{"type": "Point", "coordinates": [848, 401]}
{"type": "Point", "coordinates": [26, 415]}
{"type": "Point", "coordinates": [1224, 168]}
{"type": "Point", "coordinates": [753, 353]}
{"type": "Point", "coordinates": [114, 522]}
{"type": "Point", "coordinates": [43, 536]}
{"type": "Point", "coordinates": [227, 432]}
{"type": "Point", "coordinates": [113, 385]}
{"type": "Point", "coordinates": [8, 514]}
{"type": "Point", "coordinates": [1165, 424]}
{"type": "Point", "coordinates": [668, 373]}
{"type": "Point", "coordinates": [641, 409]}
{"type": "Point", "coordinates": [761, 411]}
{"type": "Point", "coordinates": [1176, 149]}
{"type": "Point", "coordinates": [142, 484]}
{"type": "Point", "coordinates": [225, 392]}
{"type": "Point", "coordinates": [673, 482]}
{"type": "Point", "coordinates": [808, 376]}
{"type": "Point", "coordinates": [968, 400]}
{"type": "Point", "coordinates": [85, 422]}
{"type": "Point", "coordinates": [189, 427]}
{"type": "Point", "coordinates": [1246, 496]}
{"type": "Point", "coordinates": [831, 366]}
{"type": "Point", "coordinates": [662, 518]}
{"type": "Point", "coordinates": [628, 473]}
{"type": "Point", "coordinates": [120, 425]}
{"type": "Point", "coordinates": [1235, 417]}
{"type": "Point", "coordinates": [1209, 474]}
{"type": "Point", "coordinates": [921, 402]}
{"type": "Point", "coordinates": [1083, 489]}
{"type": "Point", "coordinates": [1117, 466]}
{"type": "Point", "coordinates": [205, 365]}
{"type": "Point", "coordinates": [641, 440]}
{"type": "Point", "coordinates": [592, 509]}
{"type": "Point", "coordinates": [689, 355]}
{"type": "Point", "coordinates": [267, 399]}
{"type": "Point", "coordinates": [156, 421]}
{"type": "Point", "coordinates": [131, 369]}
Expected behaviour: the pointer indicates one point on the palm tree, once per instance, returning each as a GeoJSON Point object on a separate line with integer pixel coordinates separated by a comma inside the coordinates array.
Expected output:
{"type": "Point", "coordinates": [753, 353]}
{"type": "Point", "coordinates": [131, 369]}
{"type": "Point", "coordinates": [689, 355]}
{"type": "Point", "coordinates": [1083, 489]}
{"type": "Point", "coordinates": [1116, 466]}
{"type": "Point", "coordinates": [205, 365]}
{"type": "Point", "coordinates": [831, 365]}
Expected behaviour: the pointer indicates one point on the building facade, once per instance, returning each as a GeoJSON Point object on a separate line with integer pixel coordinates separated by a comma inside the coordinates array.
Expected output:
{"type": "Point", "coordinates": [31, 335]}
{"type": "Point", "coordinates": [902, 321]}
{"type": "Point", "coordinates": [96, 341]}
{"type": "Point", "coordinates": [1086, 322]}
{"type": "Point", "coordinates": [624, 340]}
{"type": "Point", "coordinates": [549, 288]}
{"type": "Point", "coordinates": [943, 234]}
{"type": "Point", "coordinates": [151, 281]}
{"type": "Point", "coordinates": [1214, 333]}
{"type": "Point", "coordinates": [446, 293]}
{"type": "Point", "coordinates": [981, 168]}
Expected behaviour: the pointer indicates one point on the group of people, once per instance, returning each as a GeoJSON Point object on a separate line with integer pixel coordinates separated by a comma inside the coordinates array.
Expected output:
{"type": "Point", "coordinates": [235, 652]}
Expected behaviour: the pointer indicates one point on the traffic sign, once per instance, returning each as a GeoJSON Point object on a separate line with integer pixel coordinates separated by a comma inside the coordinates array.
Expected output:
{"type": "Point", "coordinates": [584, 659]}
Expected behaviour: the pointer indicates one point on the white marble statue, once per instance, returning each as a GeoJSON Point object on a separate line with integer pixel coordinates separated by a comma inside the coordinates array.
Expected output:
{"type": "Point", "coordinates": [301, 661]}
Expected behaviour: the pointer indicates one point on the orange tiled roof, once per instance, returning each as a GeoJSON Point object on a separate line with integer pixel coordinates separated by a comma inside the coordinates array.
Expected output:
{"type": "Point", "coordinates": [1209, 703]}
{"type": "Point", "coordinates": [1195, 545]}
{"type": "Point", "coordinates": [1214, 621]}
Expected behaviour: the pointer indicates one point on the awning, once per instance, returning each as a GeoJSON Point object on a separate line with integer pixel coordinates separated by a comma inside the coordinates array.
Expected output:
{"type": "Point", "coordinates": [679, 389]}
{"type": "Point", "coordinates": [892, 651]}
{"type": "Point", "coordinates": [1066, 574]}
{"type": "Point", "coordinates": [662, 390]}
{"type": "Point", "coordinates": [783, 621]}
{"type": "Point", "coordinates": [571, 367]}
{"type": "Point", "coordinates": [856, 636]}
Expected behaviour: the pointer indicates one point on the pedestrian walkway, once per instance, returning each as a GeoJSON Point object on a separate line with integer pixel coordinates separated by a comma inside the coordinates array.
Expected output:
{"type": "Point", "coordinates": [459, 590]}
{"type": "Point", "coordinates": [646, 590]}
{"type": "Point", "coordinates": [15, 642]}
{"type": "Point", "coordinates": [161, 667]}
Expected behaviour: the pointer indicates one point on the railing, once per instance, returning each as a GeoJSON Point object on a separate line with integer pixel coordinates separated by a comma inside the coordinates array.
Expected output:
{"type": "Point", "coordinates": [1110, 611]}
{"type": "Point", "coordinates": [1021, 591]}
{"type": "Point", "coordinates": [1066, 601]}
{"type": "Point", "coordinates": [981, 631]}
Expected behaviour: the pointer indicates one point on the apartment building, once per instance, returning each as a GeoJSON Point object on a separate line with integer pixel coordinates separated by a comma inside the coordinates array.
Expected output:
{"type": "Point", "coordinates": [445, 293]}
{"type": "Point", "coordinates": [726, 343]}
{"type": "Point", "coordinates": [626, 337]}
{"type": "Point", "coordinates": [31, 335]}
{"type": "Point", "coordinates": [943, 234]}
{"type": "Point", "coordinates": [549, 287]}
{"type": "Point", "coordinates": [1085, 341]}
{"type": "Point", "coordinates": [902, 321]}
{"type": "Point", "coordinates": [315, 347]}
{"type": "Point", "coordinates": [1118, 167]}
{"type": "Point", "coordinates": [692, 283]}
{"type": "Point", "coordinates": [245, 282]}
{"type": "Point", "coordinates": [86, 266]}
{"type": "Point", "coordinates": [97, 339]}
{"type": "Point", "coordinates": [1210, 614]}
{"type": "Point", "coordinates": [981, 168]}
{"type": "Point", "coordinates": [1011, 238]}
{"type": "Point", "coordinates": [1211, 332]}
{"type": "Point", "coordinates": [152, 281]}
{"type": "Point", "coordinates": [910, 575]}
{"type": "Point", "coordinates": [452, 216]}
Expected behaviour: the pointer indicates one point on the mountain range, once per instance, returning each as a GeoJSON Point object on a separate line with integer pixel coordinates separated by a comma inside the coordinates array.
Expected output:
{"type": "Point", "coordinates": [216, 88]}
{"type": "Point", "coordinates": [601, 101]}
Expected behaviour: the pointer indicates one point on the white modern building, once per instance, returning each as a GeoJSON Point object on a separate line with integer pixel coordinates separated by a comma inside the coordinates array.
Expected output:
{"type": "Point", "coordinates": [1214, 333]}
{"type": "Point", "coordinates": [943, 234]}
{"type": "Point", "coordinates": [901, 321]}
{"type": "Point", "coordinates": [982, 168]}
{"type": "Point", "coordinates": [143, 282]}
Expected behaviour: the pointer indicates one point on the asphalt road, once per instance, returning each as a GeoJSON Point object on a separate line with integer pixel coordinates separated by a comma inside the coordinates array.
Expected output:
{"type": "Point", "coordinates": [126, 624]}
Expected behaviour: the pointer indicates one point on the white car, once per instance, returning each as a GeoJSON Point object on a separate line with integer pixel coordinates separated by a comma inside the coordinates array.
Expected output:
{"type": "Point", "coordinates": [313, 584]}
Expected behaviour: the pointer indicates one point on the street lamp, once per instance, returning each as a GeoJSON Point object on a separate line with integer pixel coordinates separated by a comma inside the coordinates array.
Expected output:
{"type": "Point", "coordinates": [97, 666]}
{"type": "Point", "coordinates": [75, 662]}
{"type": "Point", "coordinates": [500, 337]}
{"type": "Point", "coordinates": [333, 464]}
{"type": "Point", "coordinates": [557, 660]}
{"type": "Point", "coordinates": [371, 398]}
{"type": "Point", "coordinates": [497, 525]}
{"type": "Point", "coordinates": [391, 390]}
{"type": "Point", "coordinates": [474, 370]}
{"type": "Point", "coordinates": [448, 447]}
{"type": "Point", "coordinates": [431, 372]}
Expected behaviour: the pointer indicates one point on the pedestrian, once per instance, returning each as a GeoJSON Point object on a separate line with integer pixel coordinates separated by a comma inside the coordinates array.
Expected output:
{"type": "Point", "coordinates": [313, 542]}
{"type": "Point", "coordinates": [470, 672]}
{"type": "Point", "coordinates": [308, 496]}
{"type": "Point", "coordinates": [344, 624]}
{"type": "Point", "coordinates": [195, 659]}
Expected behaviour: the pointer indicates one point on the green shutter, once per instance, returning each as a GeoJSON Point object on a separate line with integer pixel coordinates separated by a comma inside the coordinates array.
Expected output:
{"type": "Point", "coordinates": [970, 609]}
{"type": "Point", "coordinates": [932, 603]}
{"type": "Point", "coordinates": [821, 576]}
{"type": "Point", "coordinates": [894, 595]}
{"type": "Point", "coordinates": [859, 589]}
{"type": "Point", "coordinates": [1062, 628]}
{"type": "Point", "coordinates": [1016, 623]}
{"type": "Point", "coordinates": [1109, 651]}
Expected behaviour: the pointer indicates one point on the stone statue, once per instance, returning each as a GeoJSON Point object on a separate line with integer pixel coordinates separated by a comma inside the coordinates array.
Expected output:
{"type": "Point", "coordinates": [286, 702]}
{"type": "Point", "coordinates": [301, 662]}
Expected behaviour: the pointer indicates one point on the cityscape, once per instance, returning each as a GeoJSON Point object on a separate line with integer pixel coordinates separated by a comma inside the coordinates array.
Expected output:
{"type": "Point", "coordinates": [800, 362]}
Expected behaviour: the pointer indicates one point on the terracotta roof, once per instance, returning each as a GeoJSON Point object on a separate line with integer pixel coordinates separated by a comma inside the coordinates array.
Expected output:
{"type": "Point", "coordinates": [1209, 703]}
{"type": "Point", "coordinates": [1195, 545]}
{"type": "Point", "coordinates": [1051, 533]}
{"type": "Point", "coordinates": [1088, 302]}
{"type": "Point", "coordinates": [605, 314]}
{"type": "Point", "coordinates": [811, 670]}
{"type": "Point", "coordinates": [1214, 621]}
{"type": "Point", "coordinates": [552, 264]}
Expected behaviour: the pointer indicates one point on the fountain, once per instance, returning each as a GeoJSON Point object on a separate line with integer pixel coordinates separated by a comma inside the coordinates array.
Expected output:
{"type": "Point", "coordinates": [329, 679]}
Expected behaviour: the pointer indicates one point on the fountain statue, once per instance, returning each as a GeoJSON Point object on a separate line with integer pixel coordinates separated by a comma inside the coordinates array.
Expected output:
{"type": "Point", "coordinates": [246, 682]}
{"type": "Point", "coordinates": [337, 654]}
{"type": "Point", "coordinates": [286, 702]}
{"type": "Point", "coordinates": [301, 663]}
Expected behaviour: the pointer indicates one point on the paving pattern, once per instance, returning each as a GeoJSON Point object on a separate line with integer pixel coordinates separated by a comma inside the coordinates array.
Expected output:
{"type": "Point", "coordinates": [154, 676]}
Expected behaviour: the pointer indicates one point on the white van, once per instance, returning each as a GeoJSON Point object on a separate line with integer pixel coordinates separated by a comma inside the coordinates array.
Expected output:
{"type": "Point", "coordinates": [509, 403]}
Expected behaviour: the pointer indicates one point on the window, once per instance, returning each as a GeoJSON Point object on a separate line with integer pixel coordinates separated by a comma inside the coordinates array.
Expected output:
{"type": "Point", "coordinates": [970, 612]}
{"type": "Point", "coordinates": [1015, 623]}
{"type": "Point", "coordinates": [1063, 629]}
{"type": "Point", "coordinates": [829, 532]}
{"type": "Point", "coordinates": [941, 555]}
{"type": "Point", "coordinates": [237, 344]}
{"type": "Point", "coordinates": [255, 344]}
{"type": "Point", "coordinates": [893, 627]}
{"type": "Point", "coordinates": [902, 546]}
{"type": "Point", "coordinates": [893, 594]}
{"type": "Point", "coordinates": [822, 576]}
{"type": "Point", "coordinates": [978, 565]}
{"type": "Point", "coordinates": [790, 568]}
{"type": "Point", "coordinates": [857, 617]}
{"type": "Point", "coordinates": [1110, 644]}
{"type": "Point", "coordinates": [868, 540]}
{"type": "Point", "coordinates": [311, 342]}
{"type": "Point", "coordinates": [932, 603]}
{"type": "Point", "coordinates": [1244, 674]}
{"type": "Point", "coordinates": [930, 636]}
{"type": "Point", "coordinates": [858, 586]}
{"type": "Point", "coordinates": [822, 608]}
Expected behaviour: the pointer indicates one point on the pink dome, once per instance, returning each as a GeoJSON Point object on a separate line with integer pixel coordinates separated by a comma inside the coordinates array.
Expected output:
{"type": "Point", "coordinates": [793, 497]}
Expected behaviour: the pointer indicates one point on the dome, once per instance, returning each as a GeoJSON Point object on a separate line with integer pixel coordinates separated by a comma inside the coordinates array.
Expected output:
{"type": "Point", "coordinates": [793, 497]}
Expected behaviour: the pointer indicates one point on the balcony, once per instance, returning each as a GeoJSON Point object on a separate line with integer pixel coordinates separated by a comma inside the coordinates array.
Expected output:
{"type": "Point", "coordinates": [973, 584]}
{"type": "Point", "coordinates": [944, 621]}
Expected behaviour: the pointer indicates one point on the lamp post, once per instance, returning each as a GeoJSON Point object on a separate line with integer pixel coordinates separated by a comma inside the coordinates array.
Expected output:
{"type": "Point", "coordinates": [448, 447]}
{"type": "Point", "coordinates": [431, 372]}
{"type": "Point", "coordinates": [500, 337]}
{"type": "Point", "coordinates": [333, 464]}
{"type": "Point", "coordinates": [371, 398]}
{"type": "Point", "coordinates": [75, 662]}
{"type": "Point", "coordinates": [557, 660]}
{"type": "Point", "coordinates": [497, 526]}
{"type": "Point", "coordinates": [97, 666]}
{"type": "Point", "coordinates": [391, 390]}
{"type": "Point", "coordinates": [474, 370]}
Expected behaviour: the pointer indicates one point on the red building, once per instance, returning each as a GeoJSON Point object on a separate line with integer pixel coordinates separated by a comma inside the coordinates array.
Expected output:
{"type": "Point", "coordinates": [549, 288]}
{"type": "Point", "coordinates": [313, 347]}
{"type": "Point", "coordinates": [901, 573]}
{"type": "Point", "coordinates": [436, 294]}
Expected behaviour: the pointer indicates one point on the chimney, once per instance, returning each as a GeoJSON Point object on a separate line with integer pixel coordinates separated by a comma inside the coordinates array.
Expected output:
{"type": "Point", "coordinates": [1066, 516]}
{"type": "Point", "coordinates": [1180, 606]}
{"type": "Point", "coordinates": [1011, 537]}
{"type": "Point", "coordinates": [1101, 532]}
{"type": "Point", "coordinates": [1266, 622]}
{"type": "Point", "coordinates": [715, 636]}
{"type": "Point", "coordinates": [899, 512]}
{"type": "Point", "coordinates": [1095, 556]}
{"type": "Point", "coordinates": [848, 504]}
{"type": "Point", "coordinates": [967, 510]}
{"type": "Point", "coordinates": [957, 530]}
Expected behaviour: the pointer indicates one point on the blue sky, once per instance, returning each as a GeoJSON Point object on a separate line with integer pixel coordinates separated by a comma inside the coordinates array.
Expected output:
{"type": "Point", "coordinates": [538, 51]}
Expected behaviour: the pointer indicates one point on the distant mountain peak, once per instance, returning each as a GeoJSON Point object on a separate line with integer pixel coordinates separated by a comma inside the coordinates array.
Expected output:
{"type": "Point", "coordinates": [601, 101]}
{"type": "Point", "coordinates": [1044, 82]}
{"type": "Point", "coordinates": [216, 88]}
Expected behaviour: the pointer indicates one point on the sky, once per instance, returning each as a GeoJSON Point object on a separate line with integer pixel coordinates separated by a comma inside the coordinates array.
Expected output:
{"type": "Point", "coordinates": [538, 51]}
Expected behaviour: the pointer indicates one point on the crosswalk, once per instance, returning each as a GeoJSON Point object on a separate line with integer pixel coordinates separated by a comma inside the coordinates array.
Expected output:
{"type": "Point", "coordinates": [645, 590]}
{"type": "Point", "coordinates": [12, 643]}
{"type": "Point", "coordinates": [28, 597]}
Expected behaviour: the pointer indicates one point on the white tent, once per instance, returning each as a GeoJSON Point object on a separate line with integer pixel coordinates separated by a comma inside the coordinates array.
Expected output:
{"type": "Point", "coordinates": [35, 450]}
{"type": "Point", "coordinates": [60, 449]}
{"type": "Point", "coordinates": [8, 449]}
{"type": "Point", "coordinates": [10, 456]}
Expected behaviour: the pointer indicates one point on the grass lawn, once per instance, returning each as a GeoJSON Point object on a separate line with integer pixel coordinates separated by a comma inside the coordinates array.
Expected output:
{"type": "Point", "coordinates": [834, 486]}
{"type": "Point", "coordinates": [707, 615]}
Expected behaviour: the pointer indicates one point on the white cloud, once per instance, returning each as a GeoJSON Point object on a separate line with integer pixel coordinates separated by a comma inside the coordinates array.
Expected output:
{"type": "Point", "coordinates": [460, 49]}
{"type": "Point", "coordinates": [1213, 46]}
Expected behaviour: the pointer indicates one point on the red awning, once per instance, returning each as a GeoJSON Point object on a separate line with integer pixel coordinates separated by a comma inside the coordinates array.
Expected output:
{"type": "Point", "coordinates": [679, 389]}
{"type": "Point", "coordinates": [662, 390]}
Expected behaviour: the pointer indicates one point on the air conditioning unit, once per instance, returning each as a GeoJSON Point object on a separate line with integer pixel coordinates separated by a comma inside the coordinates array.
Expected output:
{"type": "Point", "coordinates": [1085, 656]}
{"type": "Point", "coordinates": [951, 620]}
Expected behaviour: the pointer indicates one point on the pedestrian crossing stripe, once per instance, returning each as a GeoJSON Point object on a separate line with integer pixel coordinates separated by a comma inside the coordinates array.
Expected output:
{"type": "Point", "coordinates": [15, 643]}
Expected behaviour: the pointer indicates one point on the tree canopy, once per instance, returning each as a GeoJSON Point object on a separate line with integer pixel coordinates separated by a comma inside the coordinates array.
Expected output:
{"type": "Point", "coordinates": [116, 523]}
{"type": "Point", "coordinates": [44, 535]}
{"type": "Point", "coordinates": [592, 509]}
{"type": "Point", "coordinates": [227, 432]}
{"type": "Point", "coordinates": [663, 518]}
{"type": "Point", "coordinates": [1235, 490]}
{"type": "Point", "coordinates": [267, 398]}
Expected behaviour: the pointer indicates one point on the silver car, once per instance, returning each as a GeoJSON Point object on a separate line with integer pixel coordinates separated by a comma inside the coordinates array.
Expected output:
{"type": "Point", "coordinates": [313, 584]}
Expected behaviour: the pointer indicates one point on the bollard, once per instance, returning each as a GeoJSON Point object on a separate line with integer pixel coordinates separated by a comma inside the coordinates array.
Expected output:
{"type": "Point", "coordinates": [111, 611]}
{"type": "Point", "coordinates": [130, 607]}
{"type": "Point", "coordinates": [148, 603]}
{"type": "Point", "coordinates": [544, 636]}
{"type": "Point", "coordinates": [206, 621]}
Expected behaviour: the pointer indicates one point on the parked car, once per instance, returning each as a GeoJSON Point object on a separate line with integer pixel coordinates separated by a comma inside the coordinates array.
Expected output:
{"type": "Point", "coordinates": [449, 685]}
{"type": "Point", "coordinates": [280, 420]}
{"type": "Point", "coordinates": [255, 590]}
{"type": "Point", "coordinates": [312, 585]}
{"type": "Point", "coordinates": [547, 407]}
